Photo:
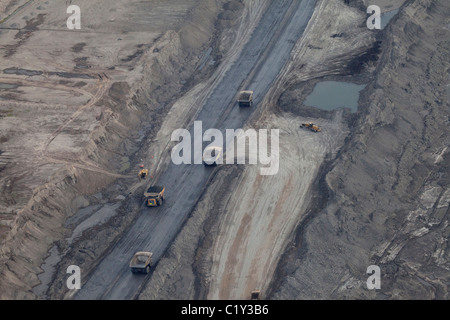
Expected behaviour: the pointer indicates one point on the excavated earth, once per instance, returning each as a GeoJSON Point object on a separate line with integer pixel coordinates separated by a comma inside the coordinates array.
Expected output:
{"type": "Point", "coordinates": [77, 106]}
{"type": "Point", "coordinates": [386, 195]}
{"type": "Point", "coordinates": [372, 189]}
{"type": "Point", "coordinates": [81, 110]}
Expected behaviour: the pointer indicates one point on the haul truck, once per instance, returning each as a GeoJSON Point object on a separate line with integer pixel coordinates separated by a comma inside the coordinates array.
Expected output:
{"type": "Point", "coordinates": [154, 196]}
{"type": "Point", "coordinates": [245, 98]}
{"type": "Point", "coordinates": [141, 262]}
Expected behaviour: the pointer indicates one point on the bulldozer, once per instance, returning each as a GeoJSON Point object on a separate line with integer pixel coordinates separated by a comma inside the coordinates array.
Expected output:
{"type": "Point", "coordinates": [143, 174]}
{"type": "Point", "coordinates": [311, 126]}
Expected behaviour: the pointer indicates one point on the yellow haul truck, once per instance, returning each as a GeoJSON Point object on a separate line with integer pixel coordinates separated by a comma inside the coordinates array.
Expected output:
{"type": "Point", "coordinates": [154, 196]}
{"type": "Point", "coordinates": [141, 262]}
{"type": "Point", "coordinates": [245, 98]}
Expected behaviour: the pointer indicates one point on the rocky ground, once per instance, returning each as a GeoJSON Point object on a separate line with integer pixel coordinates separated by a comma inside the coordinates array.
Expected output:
{"type": "Point", "coordinates": [68, 100]}
{"type": "Point", "coordinates": [388, 190]}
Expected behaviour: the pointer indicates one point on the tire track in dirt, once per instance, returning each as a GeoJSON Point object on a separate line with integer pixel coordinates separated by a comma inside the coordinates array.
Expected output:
{"type": "Point", "coordinates": [155, 232]}
{"type": "Point", "coordinates": [102, 85]}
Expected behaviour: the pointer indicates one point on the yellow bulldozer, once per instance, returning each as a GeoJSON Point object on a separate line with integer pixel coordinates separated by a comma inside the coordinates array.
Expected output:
{"type": "Point", "coordinates": [311, 126]}
{"type": "Point", "coordinates": [143, 174]}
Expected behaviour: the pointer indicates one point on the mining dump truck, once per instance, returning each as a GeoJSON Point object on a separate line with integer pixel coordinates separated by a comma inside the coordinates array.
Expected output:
{"type": "Point", "coordinates": [245, 98]}
{"type": "Point", "coordinates": [141, 262]}
{"type": "Point", "coordinates": [311, 126]}
{"type": "Point", "coordinates": [154, 196]}
{"type": "Point", "coordinates": [255, 294]}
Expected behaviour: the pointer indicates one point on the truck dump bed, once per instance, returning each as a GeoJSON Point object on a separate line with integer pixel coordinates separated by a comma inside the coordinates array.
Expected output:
{"type": "Point", "coordinates": [154, 191]}
{"type": "Point", "coordinates": [245, 96]}
{"type": "Point", "coordinates": [141, 260]}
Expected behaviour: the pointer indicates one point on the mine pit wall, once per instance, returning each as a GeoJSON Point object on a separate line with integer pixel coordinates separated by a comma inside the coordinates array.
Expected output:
{"type": "Point", "coordinates": [128, 106]}
{"type": "Point", "coordinates": [38, 226]}
{"type": "Point", "coordinates": [389, 188]}
{"type": "Point", "coordinates": [40, 223]}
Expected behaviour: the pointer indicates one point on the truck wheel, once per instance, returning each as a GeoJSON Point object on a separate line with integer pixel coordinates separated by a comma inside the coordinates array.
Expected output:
{"type": "Point", "coordinates": [147, 270]}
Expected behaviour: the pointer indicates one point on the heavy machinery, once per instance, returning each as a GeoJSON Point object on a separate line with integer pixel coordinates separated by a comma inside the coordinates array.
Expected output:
{"type": "Point", "coordinates": [311, 126]}
{"type": "Point", "coordinates": [255, 294]}
{"type": "Point", "coordinates": [212, 156]}
{"type": "Point", "coordinates": [154, 196]}
{"type": "Point", "coordinates": [245, 98]}
{"type": "Point", "coordinates": [143, 174]}
{"type": "Point", "coordinates": [141, 262]}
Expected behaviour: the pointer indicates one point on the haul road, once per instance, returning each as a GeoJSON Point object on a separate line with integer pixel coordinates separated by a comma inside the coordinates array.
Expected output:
{"type": "Point", "coordinates": [262, 58]}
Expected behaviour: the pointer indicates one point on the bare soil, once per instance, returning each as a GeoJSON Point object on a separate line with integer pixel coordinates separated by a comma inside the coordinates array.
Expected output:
{"type": "Point", "coordinates": [68, 100]}
{"type": "Point", "coordinates": [80, 111]}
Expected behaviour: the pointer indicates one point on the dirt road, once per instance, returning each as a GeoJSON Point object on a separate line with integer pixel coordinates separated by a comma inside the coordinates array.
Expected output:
{"type": "Point", "coordinates": [257, 67]}
{"type": "Point", "coordinates": [262, 213]}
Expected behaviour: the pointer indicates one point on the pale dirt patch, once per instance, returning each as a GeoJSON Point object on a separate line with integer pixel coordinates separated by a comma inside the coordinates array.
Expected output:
{"type": "Point", "coordinates": [263, 211]}
{"type": "Point", "coordinates": [76, 102]}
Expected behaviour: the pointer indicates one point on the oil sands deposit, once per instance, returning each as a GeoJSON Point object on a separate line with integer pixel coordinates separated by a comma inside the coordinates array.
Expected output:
{"type": "Point", "coordinates": [92, 94]}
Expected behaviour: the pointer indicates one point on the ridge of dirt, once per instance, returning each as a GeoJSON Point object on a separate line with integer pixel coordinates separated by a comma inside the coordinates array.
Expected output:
{"type": "Point", "coordinates": [133, 84]}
